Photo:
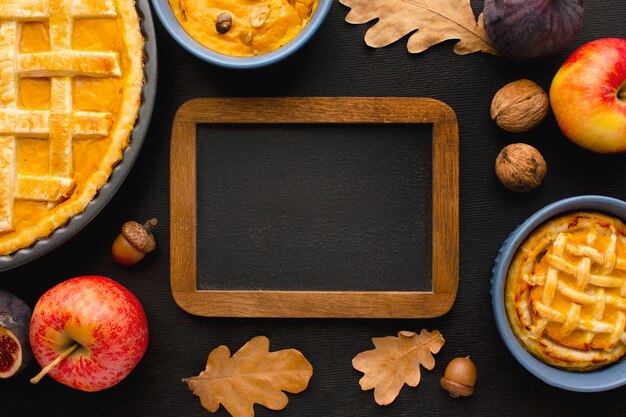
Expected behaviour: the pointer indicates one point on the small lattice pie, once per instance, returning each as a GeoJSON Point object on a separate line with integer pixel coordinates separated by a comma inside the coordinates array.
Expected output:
{"type": "Point", "coordinates": [71, 73]}
{"type": "Point", "coordinates": [566, 291]}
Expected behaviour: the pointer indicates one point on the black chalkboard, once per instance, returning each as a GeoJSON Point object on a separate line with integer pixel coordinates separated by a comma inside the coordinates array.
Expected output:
{"type": "Point", "coordinates": [314, 207]}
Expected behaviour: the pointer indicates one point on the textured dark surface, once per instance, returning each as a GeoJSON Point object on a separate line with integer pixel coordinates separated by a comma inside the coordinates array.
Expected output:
{"type": "Point", "coordinates": [314, 207]}
{"type": "Point", "coordinates": [335, 63]}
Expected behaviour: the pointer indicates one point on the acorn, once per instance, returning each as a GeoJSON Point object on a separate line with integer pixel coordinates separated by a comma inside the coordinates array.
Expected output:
{"type": "Point", "coordinates": [134, 242]}
{"type": "Point", "coordinates": [459, 377]}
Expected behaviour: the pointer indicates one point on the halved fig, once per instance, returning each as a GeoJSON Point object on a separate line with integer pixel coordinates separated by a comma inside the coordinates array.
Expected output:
{"type": "Point", "coordinates": [15, 351]}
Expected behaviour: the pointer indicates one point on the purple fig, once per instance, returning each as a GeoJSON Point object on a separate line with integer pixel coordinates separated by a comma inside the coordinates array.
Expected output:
{"type": "Point", "coordinates": [523, 30]}
{"type": "Point", "coordinates": [15, 351]}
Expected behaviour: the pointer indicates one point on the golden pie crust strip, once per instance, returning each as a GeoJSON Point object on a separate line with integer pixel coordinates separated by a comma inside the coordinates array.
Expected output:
{"type": "Point", "coordinates": [50, 189]}
{"type": "Point", "coordinates": [95, 8]}
{"type": "Point", "coordinates": [36, 123]}
{"type": "Point", "coordinates": [30, 123]}
{"type": "Point", "coordinates": [16, 10]}
{"type": "Point", "coordinates": [69, 63]}
{"type": "Point", "coordinates": [7, 180]}
{"type": "Point", "coordinates": [8, 145]}
{"type": "Point", "coordinates": [36, 10]}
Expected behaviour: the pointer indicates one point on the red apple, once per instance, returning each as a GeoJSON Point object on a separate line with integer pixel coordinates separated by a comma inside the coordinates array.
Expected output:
{"type": "Point", "coordinates": [588, 96]}
{"type": "Point", "coordinates": [93, 328]}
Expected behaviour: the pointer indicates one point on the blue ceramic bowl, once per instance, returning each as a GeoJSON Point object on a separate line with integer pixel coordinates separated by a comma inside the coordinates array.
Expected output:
{"type": "Point", "coordinates": [603, 379]}
{"type": "Point", "coordinates": [168, 19]}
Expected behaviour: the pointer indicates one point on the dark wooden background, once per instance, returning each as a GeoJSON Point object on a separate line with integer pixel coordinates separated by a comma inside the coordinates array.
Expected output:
{"type": "Point", "coordinates": [335, 63]}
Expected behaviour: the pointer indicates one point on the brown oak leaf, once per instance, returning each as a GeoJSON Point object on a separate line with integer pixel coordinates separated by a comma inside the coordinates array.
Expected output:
{"type": "Point", "coordinates": [252, 375]}
{"type": "Point", "coordinates": [435, 21]}
{"type": "Point", "coordinates": [396, 361]}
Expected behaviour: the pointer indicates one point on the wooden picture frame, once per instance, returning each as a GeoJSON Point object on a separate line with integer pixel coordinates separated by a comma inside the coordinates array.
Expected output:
{"type": "Point", "coordinates": [322, 304]}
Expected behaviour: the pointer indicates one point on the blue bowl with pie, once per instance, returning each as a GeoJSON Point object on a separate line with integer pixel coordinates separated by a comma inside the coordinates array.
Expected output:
{"type": "Point", "coordinates": [559, 293]}
{"type": "Point", "coordinates": [237, 34]}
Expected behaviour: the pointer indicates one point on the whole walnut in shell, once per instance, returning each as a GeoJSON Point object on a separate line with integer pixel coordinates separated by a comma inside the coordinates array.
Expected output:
{"type": "Point", "coordinates": [520, 106]}
{"type": "Point", "coordinates": [520, 167]}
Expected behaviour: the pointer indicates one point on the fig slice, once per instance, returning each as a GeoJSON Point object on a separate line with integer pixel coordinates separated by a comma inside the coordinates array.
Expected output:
{"type": "Point", "coordinates": [10, 353]}
{"type": "Point", "coordinates": [15, 350]}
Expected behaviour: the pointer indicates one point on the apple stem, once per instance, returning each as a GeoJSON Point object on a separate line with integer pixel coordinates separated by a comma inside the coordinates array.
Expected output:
{"type": "Point", "coordinates": [54, 363]}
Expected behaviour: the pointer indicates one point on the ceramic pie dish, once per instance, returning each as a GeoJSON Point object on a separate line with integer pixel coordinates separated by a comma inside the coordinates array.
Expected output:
{"type": "Point", "coordinates": [75, 109]}
{"type": "Point", "coordinates": [570, 317]}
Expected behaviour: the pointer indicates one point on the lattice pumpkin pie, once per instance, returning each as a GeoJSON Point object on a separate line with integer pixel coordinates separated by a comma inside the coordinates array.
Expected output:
{"type": "Point", "coordinates": [566, 291]}
{"type": "Point", "coordinates": [71, 73]}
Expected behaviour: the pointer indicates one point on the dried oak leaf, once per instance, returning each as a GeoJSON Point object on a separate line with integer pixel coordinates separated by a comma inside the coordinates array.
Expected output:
{"type": "Point", "coordinates": [435, 21]}
{"type": "Point", "coordinates": [252, 375]}
{"type": "Point", "coordinates": [396, 361]}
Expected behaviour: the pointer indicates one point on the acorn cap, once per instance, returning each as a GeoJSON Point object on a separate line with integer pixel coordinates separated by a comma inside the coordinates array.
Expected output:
{"type": "Point", "coordinates": [455, 389]}
{"type": "Point", "coordinates": [139, 235]}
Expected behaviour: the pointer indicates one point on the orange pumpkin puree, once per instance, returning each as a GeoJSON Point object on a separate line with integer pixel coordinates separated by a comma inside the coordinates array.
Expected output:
{"type": "Point", "coordinates": [253, 31]}
{"type": "Point", "coordinates": [89, 94]}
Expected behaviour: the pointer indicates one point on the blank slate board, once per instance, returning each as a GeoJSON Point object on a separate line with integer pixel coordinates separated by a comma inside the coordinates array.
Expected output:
{"type": "Point", "coordinates": [332, 207]}
{"type": "Point", "coordinates": [282, 212]}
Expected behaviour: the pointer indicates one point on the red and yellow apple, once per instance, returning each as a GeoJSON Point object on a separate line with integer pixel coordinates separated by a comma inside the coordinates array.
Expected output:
{"type": "Point", "coordinates": [588, 96]}
{"type": "Point", "coordinates": [88, 333]}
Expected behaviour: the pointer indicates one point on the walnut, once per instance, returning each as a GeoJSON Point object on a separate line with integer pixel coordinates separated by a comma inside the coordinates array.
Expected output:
{"type": "Point", "coordinates": [520, 106]}
{"type": "Point", "coordinates": [520, 167]}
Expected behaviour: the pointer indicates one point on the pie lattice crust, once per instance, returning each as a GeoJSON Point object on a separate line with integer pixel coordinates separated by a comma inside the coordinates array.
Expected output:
{"type": "Point", "coordinates": [566, 291]}
{"type": "Point", "coordinates": [34, 201]}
